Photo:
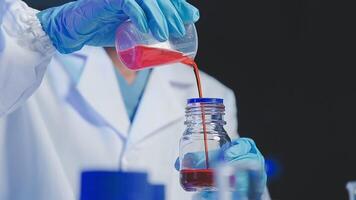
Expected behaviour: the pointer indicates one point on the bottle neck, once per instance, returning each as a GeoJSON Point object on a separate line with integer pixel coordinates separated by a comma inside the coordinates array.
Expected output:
{"type": "Point", "coordinates": [209, 114]}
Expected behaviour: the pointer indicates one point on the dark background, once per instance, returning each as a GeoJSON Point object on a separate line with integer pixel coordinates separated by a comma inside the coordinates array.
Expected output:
{"type": "Point", "coordinates": [291, 65]}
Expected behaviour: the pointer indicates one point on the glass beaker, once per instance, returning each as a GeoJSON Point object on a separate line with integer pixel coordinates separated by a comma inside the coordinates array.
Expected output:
{"type": "Point", "coordinates": [138, 50]}
{"type": "Point", "coordinates": [201, 143]}
{"type": "Point", "coordinates": [351, 188]}
{"type": "Point", "coordinates": [229, 174]}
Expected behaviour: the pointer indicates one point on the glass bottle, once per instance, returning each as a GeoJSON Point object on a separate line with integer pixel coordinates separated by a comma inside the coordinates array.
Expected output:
{"type": "Point", "coordinates": [201, 143]}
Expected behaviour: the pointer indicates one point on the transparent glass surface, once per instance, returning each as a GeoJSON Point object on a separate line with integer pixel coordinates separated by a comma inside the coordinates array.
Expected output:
{"type": "Point", "coordinates": [138, 50]}
{"type": "Point", "coordinates": [196, 165]}
{"type": "Point", "coordinates": [351, 187]}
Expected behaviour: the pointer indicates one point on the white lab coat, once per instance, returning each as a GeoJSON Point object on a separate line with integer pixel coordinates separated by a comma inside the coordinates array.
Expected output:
{"type": "Point", "coordinates": [25, 51]}
{"type": "Point", "coordinates": [69, 126]}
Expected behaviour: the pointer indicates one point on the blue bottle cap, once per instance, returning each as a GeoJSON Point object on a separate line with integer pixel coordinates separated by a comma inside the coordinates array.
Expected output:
{"type": "Point", "coordinates": [206, 100]}
{"type": "Point", "coordinates": [113, 185]}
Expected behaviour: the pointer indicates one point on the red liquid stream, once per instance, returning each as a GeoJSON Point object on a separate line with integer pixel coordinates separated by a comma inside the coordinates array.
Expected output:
{"type": "Point", "coordinates": [192, 179]}
{"type": "Point", "coordinates": [140, 57]}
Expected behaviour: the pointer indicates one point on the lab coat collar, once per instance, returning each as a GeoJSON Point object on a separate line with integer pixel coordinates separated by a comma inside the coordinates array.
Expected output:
{"type": "Point", "coordinates": [103, 96]}
{"type": "Point", "coordinates": [161, 103]}
{"type": "Point", "coordinates": [166, 84]}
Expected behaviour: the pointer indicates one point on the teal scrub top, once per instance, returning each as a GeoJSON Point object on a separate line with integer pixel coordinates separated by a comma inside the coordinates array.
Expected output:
{"type": "Point", "coordinates": [132, 93]}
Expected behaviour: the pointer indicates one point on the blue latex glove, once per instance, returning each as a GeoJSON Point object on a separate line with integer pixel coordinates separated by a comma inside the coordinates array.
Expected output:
{"type": "Point", "coordinates": [94, 22]}
{"type": "Point", "coordinates": [249, 184]}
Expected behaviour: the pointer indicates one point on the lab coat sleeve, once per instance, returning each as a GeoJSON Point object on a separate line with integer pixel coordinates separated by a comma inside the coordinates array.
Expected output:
{"type": "Point", "coordinates": [25, 52]}
{"type": "Point", "coordinates": [231, 114]}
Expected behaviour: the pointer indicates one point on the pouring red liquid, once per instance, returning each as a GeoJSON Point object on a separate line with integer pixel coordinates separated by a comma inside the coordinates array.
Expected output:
{"type": "Point", "coordinates": [141, 57]}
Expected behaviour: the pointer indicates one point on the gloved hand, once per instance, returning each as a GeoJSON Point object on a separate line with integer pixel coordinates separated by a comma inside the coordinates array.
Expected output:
{"type": "Point", "coordinates": [250, 184]}
{"type": "Point", "coordinates": [94, 22]}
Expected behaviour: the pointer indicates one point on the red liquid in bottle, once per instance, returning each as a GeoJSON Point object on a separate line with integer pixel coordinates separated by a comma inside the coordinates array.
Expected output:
{"type": "Point", "coordinates": [141, 57]}
{"type": "Point", "coordinates": [195, 179]}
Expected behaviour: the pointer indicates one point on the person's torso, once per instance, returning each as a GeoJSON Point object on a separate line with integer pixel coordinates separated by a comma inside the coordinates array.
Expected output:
{"type": "Point", "coordinates": [65, 129]}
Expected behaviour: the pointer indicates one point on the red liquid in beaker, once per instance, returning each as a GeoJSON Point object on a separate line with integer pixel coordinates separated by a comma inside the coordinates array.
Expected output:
{"type": "Point", "coordinates": [195, 179]}
{"type": "Point", "coordinates": [140, 57]}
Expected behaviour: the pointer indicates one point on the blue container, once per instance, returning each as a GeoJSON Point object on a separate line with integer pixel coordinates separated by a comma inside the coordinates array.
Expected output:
{"type": "Point", "coordinates": [113, 185]}
{"type": "Point", "coordinates": [157, 192]}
